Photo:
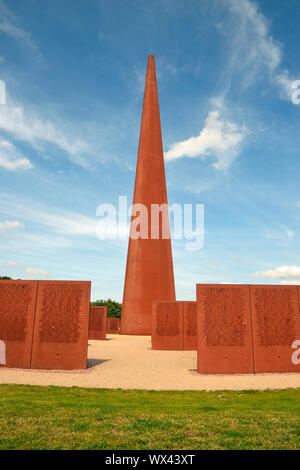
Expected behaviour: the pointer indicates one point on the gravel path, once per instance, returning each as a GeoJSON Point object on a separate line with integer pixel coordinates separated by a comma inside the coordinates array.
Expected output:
{"type": "Point", "coordinates": [127, 362]}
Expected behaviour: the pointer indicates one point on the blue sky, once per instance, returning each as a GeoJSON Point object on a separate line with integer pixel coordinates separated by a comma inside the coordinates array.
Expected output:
{"type": "Point", "coordinates": [74, 72]}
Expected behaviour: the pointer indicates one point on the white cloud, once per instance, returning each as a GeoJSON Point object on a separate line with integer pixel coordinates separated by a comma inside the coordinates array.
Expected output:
{"type": "Point", "coordinates": [254, 47]}
{"type": "Point", "coordinates": [290, 233]}
{"type": "Point", "coordinates": [32, 244]}
{"type": "Point", "coordinates": [28, 126]}
{"type": "Point", "coordinates": [298, 204]}
{"type": "Point", "coordinates": [232, 282]}
{"type": "Point", "coordinates": [38, 272]}
{"type": "Point", "coordinates": [10, 157]}
{"type": "Point", "coordinates": [219, 139]}
{"type": "Point", "coordinates": [262, 46]}
{"type": "Point", "coordinates": [57, 220]}
{"type": "Point", "coordinates": [8, 225]}
{"type": "Point", "coordinates": [11, 263]}
{"type": "Point", "coordinates": [281, 272]}
{"type": "Point", "coordinates": [8, 25]}
{"type": "Point", "coordinates": [282, 233]}
{"type": "Point", "coordinates": [8, 263]}
{"type": "Point", "coordinates": [17, 33]}
{"type": "Point", "coordinates": [290, 283]}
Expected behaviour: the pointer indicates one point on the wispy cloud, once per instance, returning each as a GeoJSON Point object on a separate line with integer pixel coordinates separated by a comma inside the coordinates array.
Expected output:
{"type": "Point", "coordinates": [9, 26]}
{"type": "Point", "coordinates": [231, 282]}
{"type": "Point", "coordinates": [290, 283]}
{"type": "Point", "coordinates": [219, 140]}
{"type": "Point", "coordinates": [255, 51]}
{"type": "Point", "coordinates": [60, 221]}
{"type": "Point", "coordinates": [278, 273]}
{"type": "Point", "coordinates": [35, 244]}
{"type": "Point", "coordinates": [50, 230]}
{"type": "Point", "coordinates": [11, 159]}
{"type": "Point", "coordinates": [56, 220]}
{"type": "Point", "coordinates": [37, 272]}
{"type": "Point", "coordinates": [282, 233]}
{"type": "Point", "coordinates": [29, 126]}
{"type": "Point", "coordinates": [10, 224]}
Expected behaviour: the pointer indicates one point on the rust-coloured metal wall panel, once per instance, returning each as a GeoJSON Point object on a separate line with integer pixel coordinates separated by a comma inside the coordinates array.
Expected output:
{"type": "Point", "coordinates": [224, 329]}
{"type": "Point", "coordinates": [276, 325]}
{"type": "Point", "coordinates": [97, 322]}
{"type": "Point", "coordinates": [167, 326]}
{"type": "Point", "coordinates": [61, 325]}
{"type": "Point", "coordinates": [17, 312]}
{"type": "Point", "coordinates": [113, 326]}
{"type": "Point", "coordinates": [190, 326]}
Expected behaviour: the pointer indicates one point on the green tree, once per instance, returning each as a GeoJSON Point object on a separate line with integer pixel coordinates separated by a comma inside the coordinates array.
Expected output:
{"type": "Point", "coordinates": [5, 278]}
{"type": "Point", "coordinates": [113, 307]}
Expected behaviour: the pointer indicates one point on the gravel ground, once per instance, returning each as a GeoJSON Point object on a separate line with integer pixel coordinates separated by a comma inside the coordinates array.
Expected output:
{"type": "Point", "coordinates": [128, 362]}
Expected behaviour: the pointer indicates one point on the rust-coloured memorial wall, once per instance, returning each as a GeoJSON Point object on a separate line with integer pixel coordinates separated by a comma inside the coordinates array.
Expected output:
{"type": "Point", "coordinates": [113, 326]}
{"type": "Point", "coordinates": [190, 326]}
{"type": "Point", "coordinates": [236, 329]}
{"type": "Point", "coordinates": [61, 325]}
{"type": "Point", "coordinates": [174, 326]}
{"type": "Point", "coordinates": [44, 324]}
{"type": "Point", "coordinates": [97, 322]}
{"type": "Point", "coordinates": [276, 325]}
{"type": "Point", "coordinates": [247, 328]}
{"type": "Point", "coordinates": [224, 330]}
{"type": "Point", "coordinates": [167, 326]}
{"type": "Point", "coordinates": [17, 311]}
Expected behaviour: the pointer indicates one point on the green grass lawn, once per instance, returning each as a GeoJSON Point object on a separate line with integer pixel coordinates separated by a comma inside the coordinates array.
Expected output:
{"type": "Point", "coordinates": [75, 418]}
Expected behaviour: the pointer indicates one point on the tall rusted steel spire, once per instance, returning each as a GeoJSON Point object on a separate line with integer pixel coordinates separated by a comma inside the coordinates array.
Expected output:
{"type": "Point", "coordinates": [149, 271]}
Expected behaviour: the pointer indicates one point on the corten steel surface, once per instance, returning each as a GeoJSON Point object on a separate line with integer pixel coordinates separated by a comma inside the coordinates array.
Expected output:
{"type": "Point", "coordinates": [149, 270]}
{"type": "Point", "coordinates": [17, 311]}
{"type": "Point", "coordinates": [224, 329]}
{"type": "Point", "coordinates": [97, 322]}
{"type": "Point", "coordinates": [167, 326]}
{"type": "Point", "coordinates": [61, 325]}
{"type": "Point", "coordinates": [276, 325]}
{"type": "Point", "coordinates": [190, 326]}
{"type": "Point", "coordinates": [113, 326]}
